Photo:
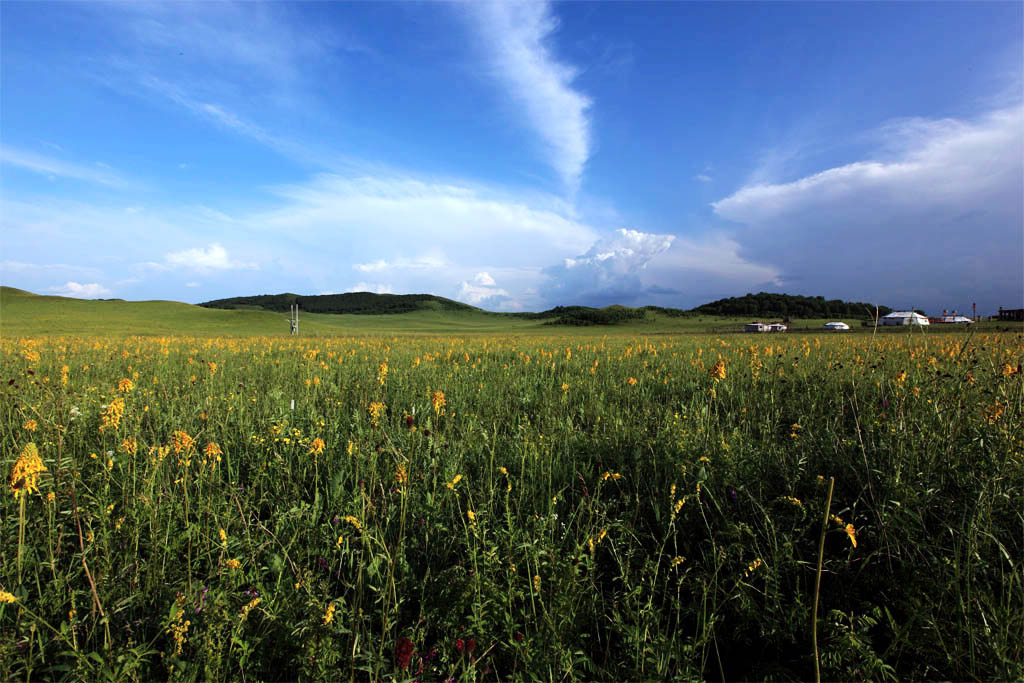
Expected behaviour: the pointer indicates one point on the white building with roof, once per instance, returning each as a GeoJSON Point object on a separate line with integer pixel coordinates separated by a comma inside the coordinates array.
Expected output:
{"type": "Point", "coordinates": [903, 318]}
{"type": "Point", "coordinates": [836, 326]}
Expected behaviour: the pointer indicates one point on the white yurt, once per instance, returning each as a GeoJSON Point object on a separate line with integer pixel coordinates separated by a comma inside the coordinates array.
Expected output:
{"type": "Point", "coordinates": [903, 318]}
{"type": "Point", "coordinates": [836, 326]}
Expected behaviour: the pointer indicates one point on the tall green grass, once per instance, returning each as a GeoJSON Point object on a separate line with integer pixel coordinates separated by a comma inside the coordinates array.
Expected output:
{"type": "Point", "coordinates": [575, 507]}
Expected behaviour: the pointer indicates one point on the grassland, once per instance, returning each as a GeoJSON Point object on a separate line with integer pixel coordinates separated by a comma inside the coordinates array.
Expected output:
{"type": "Point", "coordinates": [527, 502]}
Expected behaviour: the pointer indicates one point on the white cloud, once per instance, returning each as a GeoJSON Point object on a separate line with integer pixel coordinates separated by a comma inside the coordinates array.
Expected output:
{"type": "Point", "coordinates": [91, 290]}
{"type": "Point", "coordinates": [484, 279]}
{"type": "Point", "coordinates": [935, 221]}
{"type": "Point", "coordinates": [703, 178]}
{"type": "Point", "coordinates": [481, 295]}
{"type": "Point", "coordinates": [214, 257]}
{"type": "Point", "coordinates": [41, 268]}
{"type": "Point", "coordinates": [373, 216]}
{"type": "Point", "coordinates": [50, 166]}
{"type": "Point", "coordinates": [517, 36]}
{"type": "Point", "coordinates": [430, 260]}
{"type": "Point", "coordinates": [609, 270]}
{"type": "Point", "coordinates": [374, 287]}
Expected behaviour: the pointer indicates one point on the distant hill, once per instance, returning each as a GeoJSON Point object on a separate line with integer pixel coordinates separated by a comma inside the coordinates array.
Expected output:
{"type": "Point", "coordinates": [353, 303]}
{"type": "Point", "coordinates": [582, 316]}
{"type": "Point", "coordinates": [790, 306]}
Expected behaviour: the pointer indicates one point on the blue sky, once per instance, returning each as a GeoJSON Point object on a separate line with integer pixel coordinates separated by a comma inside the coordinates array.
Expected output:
{"type": "Point", "coordinates": [515, 156]}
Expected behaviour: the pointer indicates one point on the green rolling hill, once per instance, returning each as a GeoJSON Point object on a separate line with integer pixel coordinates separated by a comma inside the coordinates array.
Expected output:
{"type": "Point", "coordinates": [24, 314]}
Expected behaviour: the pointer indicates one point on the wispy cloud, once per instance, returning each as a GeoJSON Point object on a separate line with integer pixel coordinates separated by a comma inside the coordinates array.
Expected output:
{"type": "Point", "coordinates": [375, 287]}
{"type": "Point", "coordinates": [517, 36]}
{"type": "Point", "coordinates": [431, 260]}
{"type": "Point", "coordinates": [90, 290]}
{"type": "Point", "coordinates": [100, 173]}
{"type": "Point", "coordinates": [49, 268]}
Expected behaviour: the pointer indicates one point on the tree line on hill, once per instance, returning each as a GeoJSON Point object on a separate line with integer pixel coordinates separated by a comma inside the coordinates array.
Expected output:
{"type": "Point", "coordinates": [355, 303]}
{"type": "Point", "coordinates": [366, 303]}
{"type": "Point", "coordinates": [765, 304]}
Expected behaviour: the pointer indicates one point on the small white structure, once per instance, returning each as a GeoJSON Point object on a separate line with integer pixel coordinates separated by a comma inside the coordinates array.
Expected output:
{"type": "Point", "coordinates": [952, 319]}
{"type": "Point", "coordinates": [836, 326]}
{"type": "Point", "coordinates": [755, 327]}
{"type": "Point", "coordinates": [903, 318]}
{"type": "Point", "coordinates": [777, 327]}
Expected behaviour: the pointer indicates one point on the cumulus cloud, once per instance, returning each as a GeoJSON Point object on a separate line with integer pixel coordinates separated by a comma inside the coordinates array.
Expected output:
{"type": "Point", "coordinates": [483, 292]}
{"type": "Point", "coordinates": [484, 279]}
{"type": "Point", "coordinates": [516, 36]}
{"type": "Point", "coordinates": [610, 269]}
{"type": "Point", "coordinates": [214, 257]}
{"type": "Point", "coordinates": [91, 290]}
{"type": "Point", "coordinates": [937, 214]}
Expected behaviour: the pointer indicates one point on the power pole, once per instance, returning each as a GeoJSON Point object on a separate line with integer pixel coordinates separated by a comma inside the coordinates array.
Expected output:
{"type": "Point", "coordinates": [293, 318]}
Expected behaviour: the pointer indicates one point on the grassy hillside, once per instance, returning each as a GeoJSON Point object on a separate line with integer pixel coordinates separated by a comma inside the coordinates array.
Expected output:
{"type": "Point", "coordinates": [357, 303]}
{"type": "Point", "coordinates": [25, 314]}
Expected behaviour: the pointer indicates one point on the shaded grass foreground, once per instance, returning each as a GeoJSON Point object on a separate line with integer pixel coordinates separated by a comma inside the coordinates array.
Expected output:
{"type": "Point", "coordinates": [500, 508]}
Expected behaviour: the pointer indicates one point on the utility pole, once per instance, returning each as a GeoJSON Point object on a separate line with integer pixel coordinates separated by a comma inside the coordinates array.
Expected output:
{"type": "Point", "coordinates": [293, 318]}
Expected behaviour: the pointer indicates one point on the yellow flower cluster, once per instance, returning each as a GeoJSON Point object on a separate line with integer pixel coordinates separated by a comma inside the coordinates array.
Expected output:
{"type": "Point", "coordinates": [26, 471]}
{"type": "Point", "coordinates": [125, 385]}
{"type": "Point", "coordinates": [437, 401]}
{"type": "Point", "coordinates": [181, 442]}
{"type": "Point", "coordinates": [376, 409]}
{"type": "Point", "coordinates": [248, 608]}
{"type": "Point", "coordinates": [317, 447]}
{"type": "Point", "coordinates": [454, 482]}
{"type": "Point", "coordinates": [111, 417]}
{"type": "Point", "coordinates": [718, 371]}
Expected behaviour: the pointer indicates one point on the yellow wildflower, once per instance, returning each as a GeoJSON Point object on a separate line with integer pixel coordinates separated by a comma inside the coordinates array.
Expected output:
{"type": "Point", "coordinates": [329, 614]}
{"type": "Point", "coordinates": [852, 533]}
{"type": "Point", "coordinates": [718, 372]}
{"type": "Point", "coordinates": [6, 597]}
{"type": "Point", "coordinates": [181, 442]}
{"type": "Point", "coordinates": [382, 373]}
{"type": "Point", "coordinates": [233, 564]}
{"type": "Point", "coordinates": [437, 400]}
{"type": "Point", "coordinates": [317, 447]}
{"type": "Point", "coordinates": [454, 482]}
{"type": "Point", "coordinates": [631, 381]}
{"type": "Point", "coordinates": [111, 417]}
{"type": "Point", "coordinates": [129, 445]}
{"type": "Point", "coordinates": [248, 608]}
{"type": "Point", "coordinates": [375, 410]}
{"type": "Point", "coordinates": [471, 515]}
{"type": "Point", "coordinates": [125, 385]}
{"type": "Point", "coordinates": [536, 583]}
{"type": "Point", "coordinates": [30, 425]}
{"type": "Point", "coordinates": [353, 521]}
{"type": "Point", "coordinates": [25, 473]}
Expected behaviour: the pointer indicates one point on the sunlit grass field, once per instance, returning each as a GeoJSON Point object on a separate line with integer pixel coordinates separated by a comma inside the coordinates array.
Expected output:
{"type": "Point", "coordinates": [512, 506]}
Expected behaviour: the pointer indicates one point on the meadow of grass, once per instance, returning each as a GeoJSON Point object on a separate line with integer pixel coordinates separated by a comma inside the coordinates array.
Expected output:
{"type": "Point", "coordinates": [512, 506]}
